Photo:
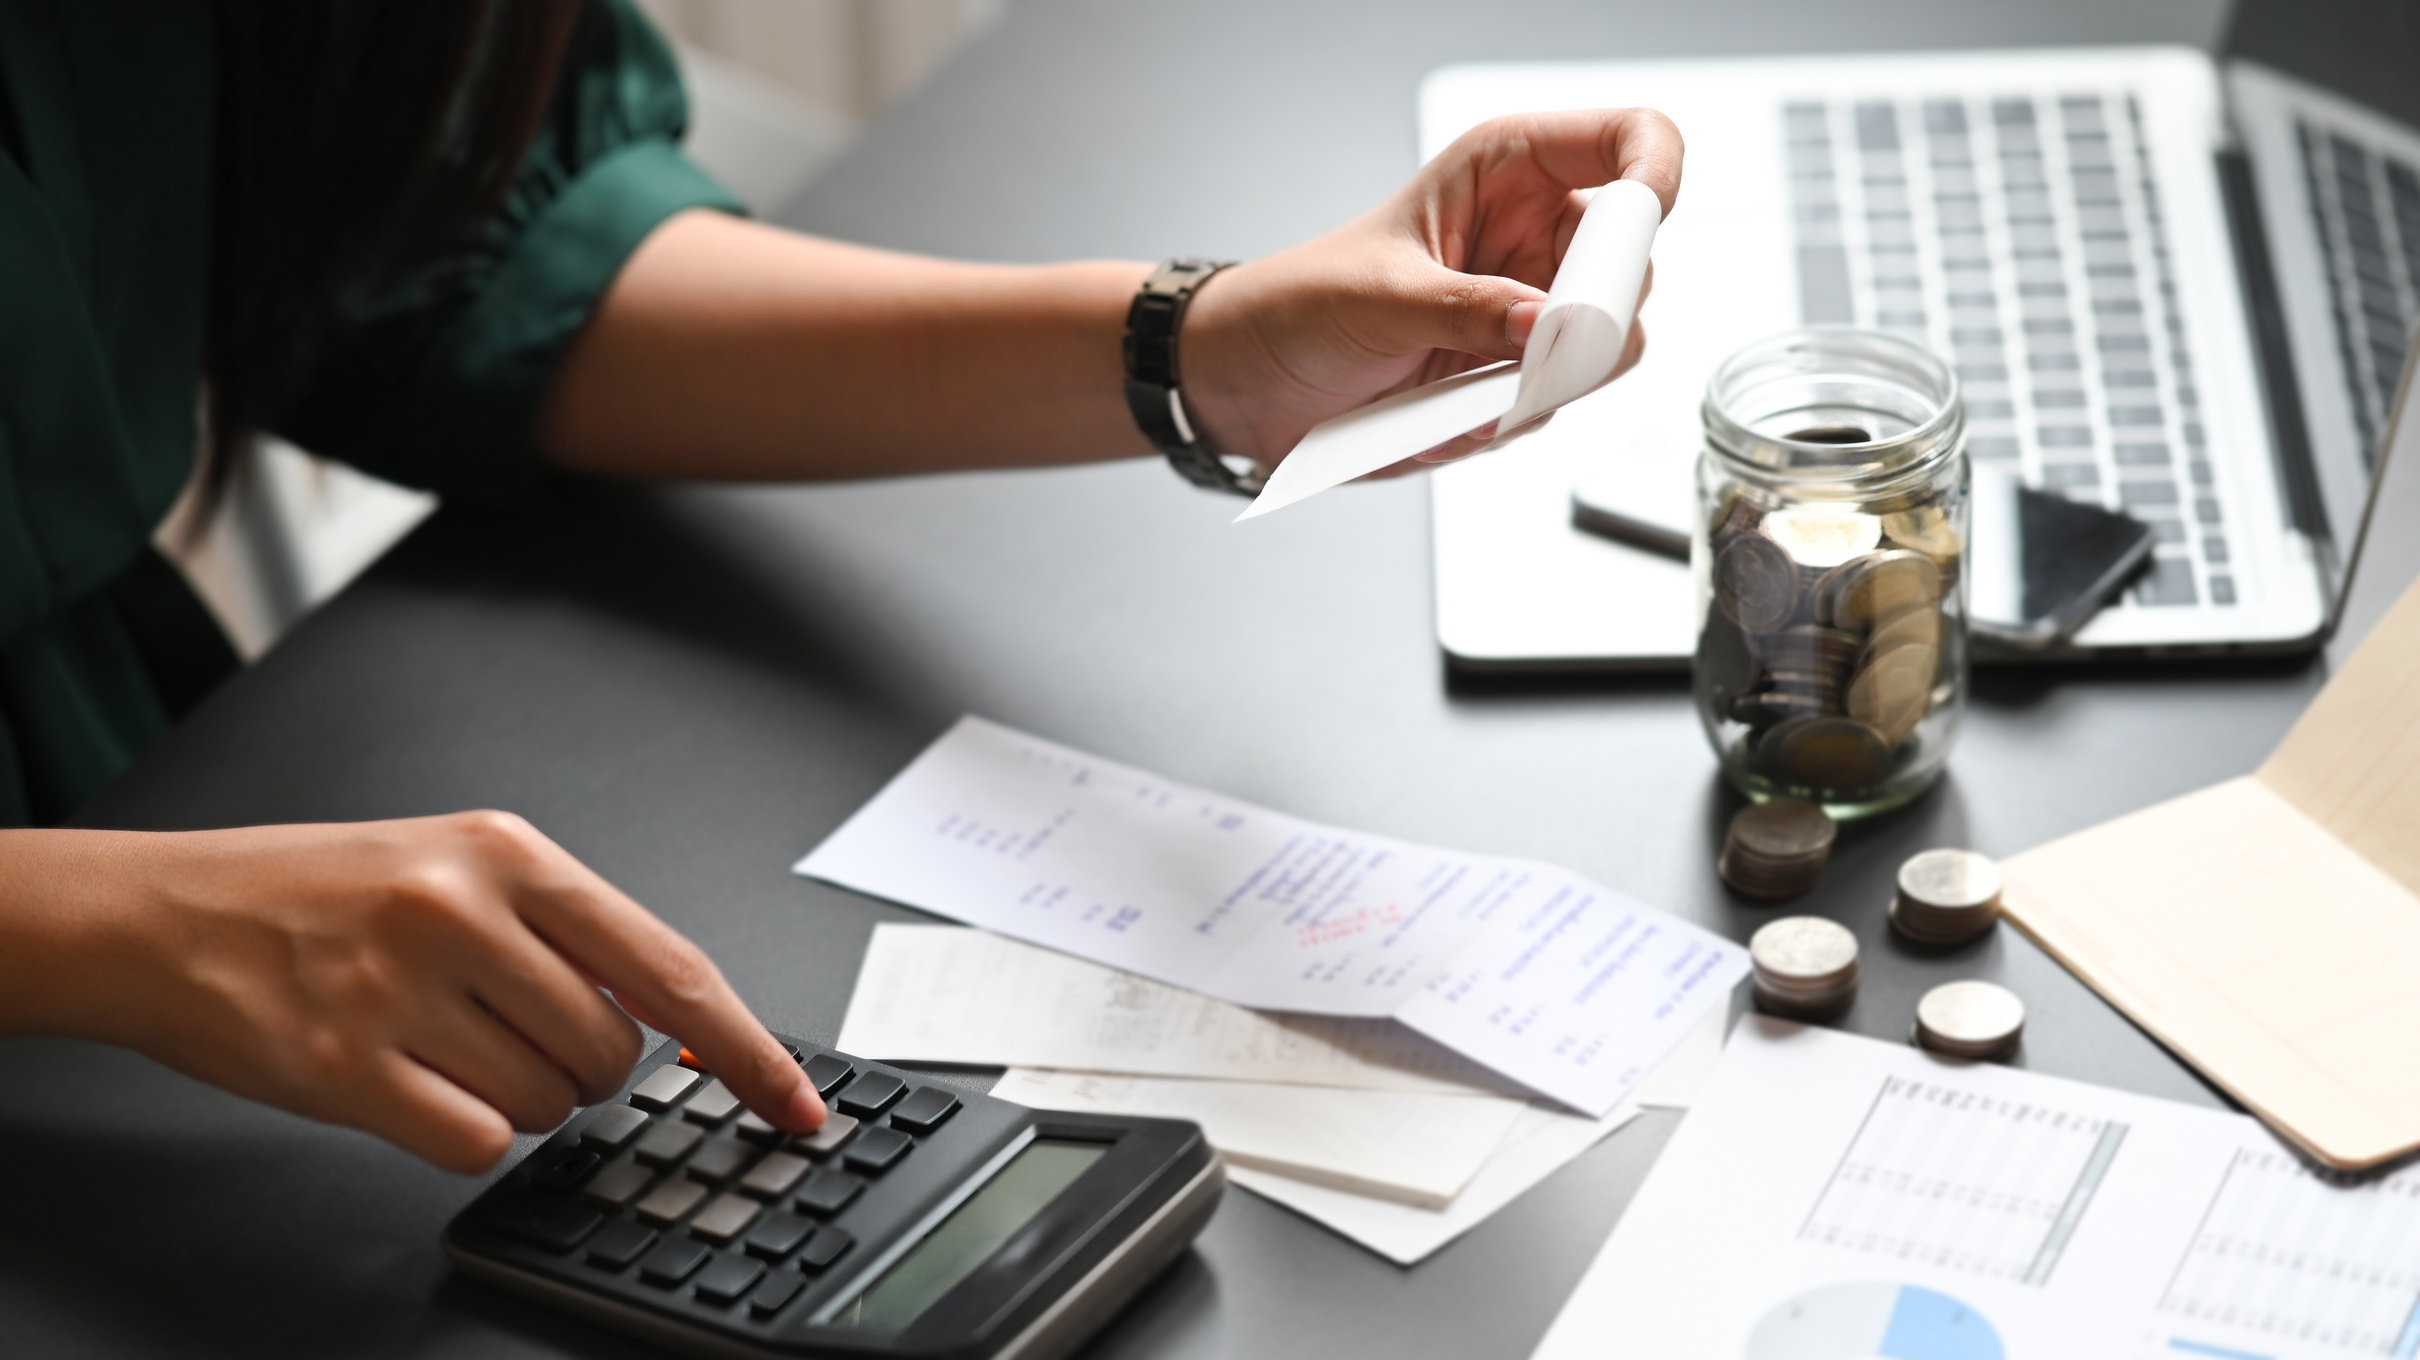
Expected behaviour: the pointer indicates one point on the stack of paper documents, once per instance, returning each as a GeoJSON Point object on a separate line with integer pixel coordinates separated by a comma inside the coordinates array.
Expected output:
{"type": "Point", "coordinates": [1361, 1125]}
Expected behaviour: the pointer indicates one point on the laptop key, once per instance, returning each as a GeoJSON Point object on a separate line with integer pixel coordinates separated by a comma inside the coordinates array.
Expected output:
{"type": "Point", "coordinates": [923, 1110]}
{"type": "Point", "coordinates": [673, 1262]}
{"type": "Point", "coordinates": [777, 1235]}
{"type": "Point", "coordinates": [720, 1158]}
{"type": "Point", "coordinates": [669, 1142]}
{"type": "Point", "coordinates": [671, 1200]}
{"type": "Point", "coordinates": [614, 1126]}
{"type": "Point", "coordinates": [544, 1221]}
{"type": "Point", "coordinates": [828, 1245]}
{"type": "Point", "coordinates": [618, 1184]}
{"type": "Point", "coordinates": [871, 1094]}
{"type": "Point", "coordinates": [712, 1105]}
{"type": "Point", "coordinates": [618, 1246]}
{"type": "Point", "coordinates": [775, 1175]}
{"type": "Point", "coordinates": [752, 1126]}
{"type": "Point", "coordinates": [728, 1278]}
{"type": "Point", "coordinates": [829, 1191]}
{"type": "Point", "coordinates": [726, 1218]}
{"type": "Point", "coordinates": [564, 1169]}
{"type": "Point", "coordinates": [827, 1072]}
{"type": "Point", "coordinates": [836, 1131]}
{"type": "Point", "coordinates": [663, 1086]}
{"type": "Point", "coordinates": [876, 1149]}
{"type": "Point", "coordinates": [775, 1294]}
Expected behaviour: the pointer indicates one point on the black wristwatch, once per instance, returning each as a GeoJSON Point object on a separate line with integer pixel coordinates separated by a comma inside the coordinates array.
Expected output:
{"type": "Point", "coordinates": [1152, 391]}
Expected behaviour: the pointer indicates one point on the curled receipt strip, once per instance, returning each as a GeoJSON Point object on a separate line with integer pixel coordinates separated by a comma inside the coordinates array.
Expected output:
{"type": "Point", "coordinates": [1572, 352]}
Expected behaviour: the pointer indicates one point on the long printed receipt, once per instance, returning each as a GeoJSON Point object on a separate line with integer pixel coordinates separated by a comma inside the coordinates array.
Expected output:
{"type": "Point", "coordinates": [1561, 984]}
{"type": "Point", "coordinates": [1572, 352]}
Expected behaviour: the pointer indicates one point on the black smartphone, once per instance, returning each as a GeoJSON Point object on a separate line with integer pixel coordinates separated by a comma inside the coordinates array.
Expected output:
{"type": "Point", "coordinates": [2043, 564]}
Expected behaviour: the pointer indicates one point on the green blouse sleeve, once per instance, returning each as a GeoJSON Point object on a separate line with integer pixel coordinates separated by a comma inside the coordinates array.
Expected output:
{"type": "Point", "coordinates": [439, 385]}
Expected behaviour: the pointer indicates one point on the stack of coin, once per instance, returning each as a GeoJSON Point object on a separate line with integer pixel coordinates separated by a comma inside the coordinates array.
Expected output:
{"type": "Point", "coordinates": [1777, 849]}
{"type": "Point", "coordinates": [1946, 897]}
{"type": "Point", "coordinates": [1826, 637]}
{"type": "Point", "coordinates": [1978, 1020]}
{"type": "Point", "coordinates": [1806, 967]}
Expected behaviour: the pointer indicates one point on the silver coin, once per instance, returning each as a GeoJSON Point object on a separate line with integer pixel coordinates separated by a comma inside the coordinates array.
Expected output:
{"type": "Point", "coordinates": [1802, 947]}
{"type": "Point", "coordinates": [1971, 1017]}
{"type": "Point", "coordinates": [1950, 880]}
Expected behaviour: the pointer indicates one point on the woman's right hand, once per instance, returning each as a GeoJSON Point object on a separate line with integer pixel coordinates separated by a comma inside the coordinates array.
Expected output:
{"type": "Point", "coordinates": [434, 981]}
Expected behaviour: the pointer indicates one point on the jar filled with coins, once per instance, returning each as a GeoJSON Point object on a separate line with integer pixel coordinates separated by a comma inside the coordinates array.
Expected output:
{"type": "Point", "coordinates": [1830, 561]}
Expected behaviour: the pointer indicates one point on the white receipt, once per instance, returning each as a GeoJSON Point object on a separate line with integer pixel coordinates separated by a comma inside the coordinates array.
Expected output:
{"type": "Point", "coordinates": [946, 994]}
{"type": "Point", "coordinates": [1402, 1146]}
{"type": "Point", "coordinates": [1835, 1196]}
{"type": "Point", "coordinates": [1572, 352]}
{"type": "Point", "coordinates": [1564, 985]}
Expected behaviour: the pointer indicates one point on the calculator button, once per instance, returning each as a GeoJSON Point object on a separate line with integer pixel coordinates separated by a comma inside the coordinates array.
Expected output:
{"type": "Point", "coordinates": [752, 1126]}
{"type": "Point", "coordinates": [775, 1294]}
{"type": "Point", "coordinates": [663, 1086]}
{"type": "Point", "coordinates": [828, 1245]}
{"type": "Point", "coordinates": [868, 1094]}
{"type": "Point", "coordinates": [614, 1126]}
{"type": "Point", "coordinates": [726, 1218]}
{"type": "Point", "coordinates": [728, 1278]}
{"type": "Point", "coordinates": [924, 1111]}
{"type": "Point", "coordinates": [557, 1225]}
{"type": "Point", "coordinates": [564, 1168]}
{"type": "Point", "coordinates": [719, 1159]}
{"type": "Point", "coordinates": [777, 1235]}
{"type": "Point", "coordinates": [671, 1200]}
{"type": "Point", "coordinates": [618, 1184]}
{"type": "Point", "coordinates": [774, 1176]}
{"type": "Point", "coordinates": [712, 1105]}
{"type": "Point", "coordinates": [826, 1140]}
{"type": "Point", "coordinates": [827, 1072]}
{"type": "Point", "coordinates": [876, 1149]}
{"type": "Point", "coordinates": [668, 1143]}
{"type": "Point", "coordinates": [829, 1191]}
{"type": "Point", "coordinates": [673, 1262]}
{"type": "Point", "coordinates": [618, 1246]}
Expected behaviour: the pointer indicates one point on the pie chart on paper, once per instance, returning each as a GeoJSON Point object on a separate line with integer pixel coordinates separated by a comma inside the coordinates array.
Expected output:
{"type": "Point", "coordinates": [1874, 1320]}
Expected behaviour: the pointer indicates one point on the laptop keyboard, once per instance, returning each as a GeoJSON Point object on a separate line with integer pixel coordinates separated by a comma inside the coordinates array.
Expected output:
{"type": "Point", "coordinates": [2366, 205]}
{"type": "Point", "coordinates": [2022, 237]}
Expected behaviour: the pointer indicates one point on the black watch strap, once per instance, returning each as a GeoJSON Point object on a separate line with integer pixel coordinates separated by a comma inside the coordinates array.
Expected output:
{"type": "Point", "coordinates": [1153, 323]}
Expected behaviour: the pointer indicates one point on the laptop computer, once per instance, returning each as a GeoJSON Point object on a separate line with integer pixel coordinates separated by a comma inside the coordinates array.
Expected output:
{"type": "Point", "coordinates": [2171, 285]}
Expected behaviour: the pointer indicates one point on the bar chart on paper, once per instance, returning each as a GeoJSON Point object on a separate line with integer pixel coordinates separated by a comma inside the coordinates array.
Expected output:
{"type": "Point", "coordinates": [2283, 1253]}
{"type": "Point", "coordinates": [1952, 1178]}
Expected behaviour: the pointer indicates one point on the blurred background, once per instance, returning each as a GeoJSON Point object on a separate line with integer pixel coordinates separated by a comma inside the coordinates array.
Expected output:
{"type": "Point", "coordinates": [777, 89]}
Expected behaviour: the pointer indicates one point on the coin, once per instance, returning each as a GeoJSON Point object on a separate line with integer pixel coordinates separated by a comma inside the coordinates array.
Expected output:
{"type": "Point", "coordinates": [1855, 594]}
{"type": "Point", "coordinates": [1805, 646]}
{"type": "Point", "coordinates": [1804, 966]}
{"type": "Point", "coordinates": [1726, 668]}
{"type": "Point", "coordinates": [1946, 897]}
{"type": "Point", "coordinates": [1776, 706]}
{"type": "Point", "coordinates": [1823, 538]}
{"type": "Point", "coordinates": [1827, 753]}
{"type": "Point", "coordinates": [1755, 582]}
{"type": "Point", "coordinates": [1979, 1020]}
{"type": "Point", "coordinates": [1893, 691]}
{"type": "Point", "coordinates": [1925, 528]}
{"type": "Point", "coordinates": [1919, 624]}
{"type": "Point", "coordinates": [1776, 849]}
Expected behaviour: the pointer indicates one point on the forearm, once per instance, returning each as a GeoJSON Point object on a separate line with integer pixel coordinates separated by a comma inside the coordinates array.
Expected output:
{"type": "Point", "coordinates": [65, 898]}
{"type": "Point", "coordinates": [732, 350]}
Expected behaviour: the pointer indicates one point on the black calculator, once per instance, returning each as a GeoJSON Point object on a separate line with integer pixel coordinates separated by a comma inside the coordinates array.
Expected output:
{"type": "Point", "coordinates": [919, 1221]}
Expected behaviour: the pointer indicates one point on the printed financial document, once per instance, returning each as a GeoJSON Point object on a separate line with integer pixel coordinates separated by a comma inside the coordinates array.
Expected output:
{"type": "Point", "coordinates": [1831, 1197]}
{"type": "Point", "coordinates": [1564, 985]}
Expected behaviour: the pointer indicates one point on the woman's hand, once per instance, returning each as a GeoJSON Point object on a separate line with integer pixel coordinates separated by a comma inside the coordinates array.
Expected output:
{"type": "Point", "coordinates": [1448, 274]}
{"type": "Point", "coordinates": [432, 981]}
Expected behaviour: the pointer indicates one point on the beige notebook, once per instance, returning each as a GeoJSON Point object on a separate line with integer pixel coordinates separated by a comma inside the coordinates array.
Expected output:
{"type": "Point", "coordinates": [2268, 928]}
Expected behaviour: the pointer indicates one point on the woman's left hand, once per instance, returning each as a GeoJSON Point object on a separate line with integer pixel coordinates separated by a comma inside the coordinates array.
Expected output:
{"type": "Point", "coordinates": [1448, 274]}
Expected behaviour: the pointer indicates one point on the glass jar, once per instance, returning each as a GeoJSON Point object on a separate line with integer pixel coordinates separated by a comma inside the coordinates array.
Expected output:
{"type": "Point", "coordinates": [1830, 563]}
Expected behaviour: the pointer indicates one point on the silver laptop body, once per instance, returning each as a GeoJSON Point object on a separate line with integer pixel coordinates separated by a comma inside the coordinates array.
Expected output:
{"type": "Point", "coordinates": [2056, 222]}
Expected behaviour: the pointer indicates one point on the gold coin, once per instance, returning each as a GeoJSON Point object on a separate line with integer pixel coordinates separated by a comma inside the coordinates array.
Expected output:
{"type": "Point", "coordinates": [1895, 690]}
{"type": "Point", "coordinates": [1828, 753]}
{"type": "Point", "coordinates": [1856, 594]}
{"type": "Point", "coordinates": [1926, 529]}
{"type": "Point", "coordinates": [1823, 538]}
{"type": "Point", "coordinates": [1917, 624]}
{"type": "Point", "coordinates": [1755, 582]}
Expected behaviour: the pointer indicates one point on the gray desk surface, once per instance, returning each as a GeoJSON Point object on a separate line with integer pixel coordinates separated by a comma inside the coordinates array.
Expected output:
{"type": "Point", "coordinates": [690, 687]}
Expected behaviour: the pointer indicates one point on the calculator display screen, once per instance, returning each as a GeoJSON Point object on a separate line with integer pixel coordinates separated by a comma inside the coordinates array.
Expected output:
{"type": "Point", "coordinates": [968, 1237]}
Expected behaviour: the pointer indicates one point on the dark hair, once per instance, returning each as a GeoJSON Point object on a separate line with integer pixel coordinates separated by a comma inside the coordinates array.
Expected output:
{"type": "Point", "coordinates": [358, 140]}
